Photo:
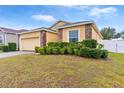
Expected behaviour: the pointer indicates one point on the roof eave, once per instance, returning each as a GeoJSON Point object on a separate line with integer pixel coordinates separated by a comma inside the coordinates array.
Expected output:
{"type": "Point", "coordinates": [61, 27]}
{"type": "Point", "coordinates": [37, 30]}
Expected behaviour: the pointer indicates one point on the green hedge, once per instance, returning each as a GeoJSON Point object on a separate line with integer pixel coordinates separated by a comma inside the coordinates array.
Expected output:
{"type": "Point", "coordinates": [5, 48]}
{"type": "Point", "coordinates": [41, 51]}
{"type": "Point", "coordinates": [91, 43]}
{"type": "Point", "coordinates": [62, 51]}
{"type": "Point", "coordinates": [76, 51]}
{"type": "Point", "coordinates": [1, 46]}
{"type": "Point", "coordinates": [36, 49]}
{"type": "Point", "coordinates": [104, 54]}
{"type": "Point", "coordinates": [65, 44]}
{"type": "Point", "coordinates": [48, 50]}
{"type": "Point", "coordinates": [12, 46]}
{"type": "Point", "coordinates": [93, 53]}
{"type": "Point", "coordinates": [55, 50]}
{"type": "Point", "coordinates": [58, 44]}
{"type": "Point", "coordinates": [84, 52]}
{"type": "Point", "coordinates": [70, 50]}
{"type": "Point", "coordinates": [87, 48]}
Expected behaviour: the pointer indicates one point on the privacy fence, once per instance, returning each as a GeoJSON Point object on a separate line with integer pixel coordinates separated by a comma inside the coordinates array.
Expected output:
{"type": "Point", "coordinates": [113, 45]}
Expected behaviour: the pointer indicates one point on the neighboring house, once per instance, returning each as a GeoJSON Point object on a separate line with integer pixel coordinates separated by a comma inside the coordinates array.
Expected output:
{"type": "Point", "coordinates": [9, 35]}
{"type": "Point", "coordinates": [61, 31]}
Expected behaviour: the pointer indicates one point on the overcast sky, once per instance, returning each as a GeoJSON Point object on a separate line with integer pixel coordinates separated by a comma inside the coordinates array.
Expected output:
{"type": "Point", "coordinates": [30, 17]}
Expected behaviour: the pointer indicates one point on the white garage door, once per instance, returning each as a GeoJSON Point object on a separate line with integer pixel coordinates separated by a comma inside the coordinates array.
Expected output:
{"type": "Point", "coordinates": [29, 44]}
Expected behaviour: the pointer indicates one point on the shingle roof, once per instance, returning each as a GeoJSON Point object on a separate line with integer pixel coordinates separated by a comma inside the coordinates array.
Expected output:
{"type": "Point", "coordinates": [76, 23]}
{"type": "Point", "coordinates": [8, 30]}
{"type": "Point", "coordinates": [41, 29]}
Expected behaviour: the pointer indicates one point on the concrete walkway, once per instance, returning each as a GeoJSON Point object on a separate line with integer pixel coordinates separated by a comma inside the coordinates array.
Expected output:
{"type": "Point", "coordinates": [10, 54]}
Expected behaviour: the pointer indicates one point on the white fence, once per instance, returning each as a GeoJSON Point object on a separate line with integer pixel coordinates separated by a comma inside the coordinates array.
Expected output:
{"type": "Point", "coordinates": [113, 45]}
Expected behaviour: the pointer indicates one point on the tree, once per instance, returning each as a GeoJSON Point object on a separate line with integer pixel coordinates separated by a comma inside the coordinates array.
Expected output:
{"type": "Point", "coordinates": [117, 35]}
{"type": "Point", "coordinates": [122, 34]}
{"type": "Point", "coordinates": [108, 32]}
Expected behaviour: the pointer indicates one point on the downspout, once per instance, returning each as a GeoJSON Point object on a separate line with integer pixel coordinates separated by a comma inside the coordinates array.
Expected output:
{"type": "Point", "coordinates": [18, 41]}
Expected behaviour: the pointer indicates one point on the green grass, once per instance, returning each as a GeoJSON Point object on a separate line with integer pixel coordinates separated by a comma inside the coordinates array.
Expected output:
{"type": "Point", "coordinates": [61, 71]}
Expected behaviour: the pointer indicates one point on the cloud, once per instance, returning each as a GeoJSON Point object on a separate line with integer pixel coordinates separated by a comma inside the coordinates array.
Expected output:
{"type": "Point", "coordinates": [98, 12]}
{"type": "Point", "coordinates": [42, 17]}
{"type": "Point", "coordinates": [79, 7]}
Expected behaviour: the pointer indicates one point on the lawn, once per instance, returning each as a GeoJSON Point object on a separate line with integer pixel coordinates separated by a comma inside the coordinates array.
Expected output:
{"type": "Point", "coordinates": [61, 71]}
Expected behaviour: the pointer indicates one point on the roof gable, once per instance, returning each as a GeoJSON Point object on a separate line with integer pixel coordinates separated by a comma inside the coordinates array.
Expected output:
{"type": "Point", "coordinates": [57, 24]}
{"type": "Point", "coordinates": [75, 24]}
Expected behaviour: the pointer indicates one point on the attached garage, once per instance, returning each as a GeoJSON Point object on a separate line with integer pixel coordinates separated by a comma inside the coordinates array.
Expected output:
{"type": "Point", "coordinates": [29, 41]}
{"type": "Point", "coordinates": [38, 37]}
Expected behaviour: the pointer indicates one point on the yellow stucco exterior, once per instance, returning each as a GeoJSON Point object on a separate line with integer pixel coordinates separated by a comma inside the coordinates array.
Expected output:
{"type": "Point", "coordinates": [81, 32]}
{"type": "Point", "coordinates": [95, 35]}
{"type": "Point", "coordinates": [81, 29]}
{"type": "Point", "coordinates": [30, 34]}
{"type": "Point", "coordinates": [51, 37]}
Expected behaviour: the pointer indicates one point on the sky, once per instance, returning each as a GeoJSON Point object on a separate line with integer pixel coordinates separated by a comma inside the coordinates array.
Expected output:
{"type": "Point", "coordinates": [31, 17]}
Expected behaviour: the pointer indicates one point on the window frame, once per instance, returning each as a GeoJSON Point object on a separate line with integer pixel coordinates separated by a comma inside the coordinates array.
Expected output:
{"type": "Point", "coordinates": [73, 30]}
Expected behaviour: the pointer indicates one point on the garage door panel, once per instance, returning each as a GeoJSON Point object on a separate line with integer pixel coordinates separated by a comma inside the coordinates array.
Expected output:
{"type": "Point", "coordinates": [30, 43]}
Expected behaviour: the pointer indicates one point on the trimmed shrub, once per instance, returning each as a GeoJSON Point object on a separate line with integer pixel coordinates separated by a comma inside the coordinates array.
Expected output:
{"type": "Point", "coordinates": [12, 46]}
{"type": "Point", "coordinates": [87, 48]}
{"type": "Point", "coordinates": [104, 54]}
{"type": "Point", "coordinates": [58, 44]}
{"type": "Point", "coordinates": [5, 48]}
{"type": "Point", "coordinates": [55, 50]}
{"type": "Point", "coordinates": [1, 46]}
{"type": "Point", "coordinates": [91, 43]}
{"type": "Point", "coordinates": [48, 50]}
{"type": "Point", "coordinates": [69, 50]}
{"type": "Point", "coordinates": [41, 51]}
{"type": "Point", "coordinates": [95, 53]}
{"type": "Point", "coordinates": [75, 51]}
{"type": "Point", "coordinates": [62, 50]}
{"type": "Point", "coordinates": [84, 52]}
{"type": "Point", "coordinates": [36, 49]}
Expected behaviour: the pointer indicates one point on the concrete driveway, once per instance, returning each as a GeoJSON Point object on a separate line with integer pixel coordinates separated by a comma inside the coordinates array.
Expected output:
{"type": "Point", "coordinates": [10, 54]}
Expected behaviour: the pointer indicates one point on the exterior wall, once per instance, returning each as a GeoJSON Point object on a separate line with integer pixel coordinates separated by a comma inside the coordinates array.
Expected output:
{"type": "Point", "coordinates": [11, 38]}
{"type": "Point", "coordinates": [51, 37]}
{"type": "Point", "coordinates": [95, 35]}
{"type": "Point", "coordinates": [30, 35]}
{"type": "Point", "coordinates": [2, 37]}
{"type": "Point", "coordinates": [65, 32]}
{"type": "Point", "coordinates": [26, 39]}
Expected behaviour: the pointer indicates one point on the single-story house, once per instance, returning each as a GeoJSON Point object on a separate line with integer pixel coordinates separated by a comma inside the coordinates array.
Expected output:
{"type": "Point", "coordinates": [61, 31]}
{"type": "Point", "coordinates": [8, 35]}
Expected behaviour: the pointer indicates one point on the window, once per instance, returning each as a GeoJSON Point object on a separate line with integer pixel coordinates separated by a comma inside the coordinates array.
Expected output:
{"type": "Point", "coordinates": [73, 36]}
{"type": "Point", "coordinates": [1, 39]}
